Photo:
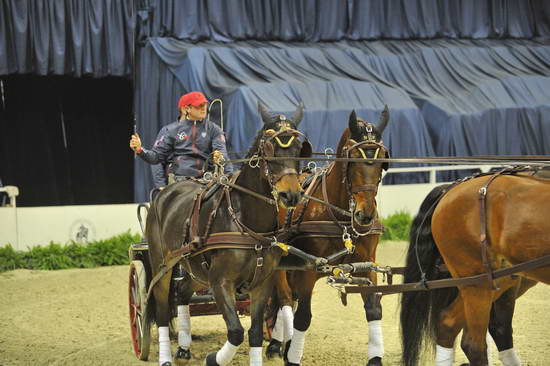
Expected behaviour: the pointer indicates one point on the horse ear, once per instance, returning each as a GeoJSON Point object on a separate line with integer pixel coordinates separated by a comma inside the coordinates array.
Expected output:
{"type": "Point", "coordinates": [264, 113]}
{"type": "Point", "coordinates": [353, 126]}
{"type": "Point", "coordinates": [384, 119]}
{"type": "Point", "coordinates": [306, 150]}
{"type": "Point", "coordinates": [298, 114]}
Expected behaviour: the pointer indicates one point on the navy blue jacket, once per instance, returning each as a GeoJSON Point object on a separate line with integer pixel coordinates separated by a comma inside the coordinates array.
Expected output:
{"type": "Point", "coordinates": [184, 146]}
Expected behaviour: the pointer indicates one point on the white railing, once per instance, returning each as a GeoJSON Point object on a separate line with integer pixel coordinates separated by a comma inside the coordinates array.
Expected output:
{"type": "Point", "coordinates": [394, 198]}
{"type": "Point", "coordinates": [434, 169]}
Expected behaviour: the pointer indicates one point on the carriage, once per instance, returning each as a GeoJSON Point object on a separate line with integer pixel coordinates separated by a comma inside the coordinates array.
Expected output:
{"type": "Point", "coordinates": [141, 317]}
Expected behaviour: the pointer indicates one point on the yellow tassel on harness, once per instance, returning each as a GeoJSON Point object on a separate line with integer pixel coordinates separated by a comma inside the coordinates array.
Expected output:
{"type": "Point", "coordinates": [349, 245]}
{"type": "Point", "coordinates": [284, 247]}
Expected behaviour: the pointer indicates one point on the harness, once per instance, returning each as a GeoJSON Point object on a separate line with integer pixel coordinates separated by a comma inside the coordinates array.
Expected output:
{"type": "Point", "coordinates": [195, 244]}
{"type": "Point", "coordinates": [489, 276]}
{"type": "Point", "coordinates": [295, 228]}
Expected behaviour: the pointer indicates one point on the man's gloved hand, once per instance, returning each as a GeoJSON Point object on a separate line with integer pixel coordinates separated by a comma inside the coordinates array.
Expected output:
{"type": "Point", "coordinates": [217, 157]}
{"type": "Point", "coordinates": [135, 143]}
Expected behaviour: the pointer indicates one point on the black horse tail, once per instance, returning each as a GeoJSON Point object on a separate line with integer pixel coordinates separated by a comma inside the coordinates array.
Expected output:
{"type": "Point", "coordinates": [420, 310]}
{"type": "Point", "coordinates": [272, 309]}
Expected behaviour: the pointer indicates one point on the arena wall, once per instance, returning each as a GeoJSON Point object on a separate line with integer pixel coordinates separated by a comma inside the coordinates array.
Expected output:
{"type": "Point", "coordinates": [25, 227]}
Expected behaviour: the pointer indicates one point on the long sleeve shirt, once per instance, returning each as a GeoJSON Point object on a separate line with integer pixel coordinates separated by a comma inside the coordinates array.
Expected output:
{"type": "Point", "coordinates": [185, 146]}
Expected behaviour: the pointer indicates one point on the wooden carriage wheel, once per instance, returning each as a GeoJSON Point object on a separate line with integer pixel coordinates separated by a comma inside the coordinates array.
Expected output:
{"type": "Point", "coordinates": [140, 322]}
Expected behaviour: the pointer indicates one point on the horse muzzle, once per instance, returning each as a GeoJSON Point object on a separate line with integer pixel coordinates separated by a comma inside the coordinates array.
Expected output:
{"type": "Point", "coordinates": [290, 199]}
{"type": "Point", "coordinates": [361, 218]}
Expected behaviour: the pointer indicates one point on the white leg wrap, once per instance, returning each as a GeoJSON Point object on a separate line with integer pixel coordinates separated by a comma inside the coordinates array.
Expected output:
{"type": "Point", "coordinates": [184, 327]}
{"type": "Point", "coordinates": [376, 340]}
{"type": "Point", "coordinates": [444, 356]}
{"type": "Point", "coordinates": [278, 332]}
{"type": "Point", "coordinates": [255, 356]}
{"type": "Point", "coordinates": [288, 317]}
{"type": "Point", "coordinates": [165, 354]}
{"type": "Point", "coordinates": [489, 341]}
{"type": "Point", "coordinates": [509, 357]}
{"type": "Point", "coordinates": [226, 354]}
{"type": "Point", "coordinates": [296, 350]}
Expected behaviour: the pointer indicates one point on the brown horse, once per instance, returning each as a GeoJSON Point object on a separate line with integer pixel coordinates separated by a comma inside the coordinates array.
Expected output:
{"type": "Point", "coordinates": [352, 186]}
{"type": "Point", "coordinates": [449, 229]}
{"type": "Point", "coordinates": [237, 219]}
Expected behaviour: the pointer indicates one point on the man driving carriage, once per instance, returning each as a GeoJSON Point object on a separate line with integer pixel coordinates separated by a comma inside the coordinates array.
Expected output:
{"type": "Point", "coordinates": [185, 146]}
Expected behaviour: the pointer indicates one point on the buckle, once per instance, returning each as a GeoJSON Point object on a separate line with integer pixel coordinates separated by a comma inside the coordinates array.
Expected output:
{"type": "Point", "coordinates": [259, 261]}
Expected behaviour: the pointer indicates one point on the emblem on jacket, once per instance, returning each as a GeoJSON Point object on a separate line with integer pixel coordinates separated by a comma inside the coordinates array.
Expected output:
{"type": "Point", "coordinates": [182, 135]}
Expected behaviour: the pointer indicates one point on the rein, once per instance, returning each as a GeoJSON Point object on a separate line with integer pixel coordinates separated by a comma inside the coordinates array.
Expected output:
{"type": "Point", "coordinates": [535, 160]}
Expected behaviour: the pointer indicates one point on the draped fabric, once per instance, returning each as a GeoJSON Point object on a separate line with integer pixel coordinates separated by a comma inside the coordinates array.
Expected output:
{"type": "Point", "coordinates": [446, 97]}
{"type": "Point", "coordinates": [67, 37]}
{"type": "Point", "coordinates": [327, 20]}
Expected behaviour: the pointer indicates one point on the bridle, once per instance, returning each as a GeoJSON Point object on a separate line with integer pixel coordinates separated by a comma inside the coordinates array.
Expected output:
{"type": "Point", "coordinates": [266, 150]}
{"type": "Point", "coordinates": [369, 143]}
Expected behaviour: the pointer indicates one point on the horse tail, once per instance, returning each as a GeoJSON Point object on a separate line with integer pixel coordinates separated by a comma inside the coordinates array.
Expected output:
{"type": "Point", "coordinates": [420, 310]}
{"type": "Point", "coordinates": [272, 309]}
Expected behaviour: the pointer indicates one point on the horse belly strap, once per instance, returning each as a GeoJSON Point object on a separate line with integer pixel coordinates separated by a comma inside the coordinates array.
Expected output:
{"type": "Point", "coordinates": [224, 240]}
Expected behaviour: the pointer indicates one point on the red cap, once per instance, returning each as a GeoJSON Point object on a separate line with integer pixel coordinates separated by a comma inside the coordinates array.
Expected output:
{"type": "Point", "coordinates": [193, 98]}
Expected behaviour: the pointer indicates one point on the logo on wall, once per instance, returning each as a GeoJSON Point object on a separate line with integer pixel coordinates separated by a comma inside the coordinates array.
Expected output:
{"type": "Point", "coordinates": [82, 231]}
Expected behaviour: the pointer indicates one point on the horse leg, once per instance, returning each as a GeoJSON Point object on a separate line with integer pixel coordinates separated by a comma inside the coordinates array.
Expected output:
{"type": "Point", "coordinates": [224, 292]}
{"type": "Point", "coordinates": [294, 350]}
{"type": "Point", "coordinates": [477, 308]}
{"type": "Point", "coordinates": [277, 337]}
{"type": "Point", "coordinates": [500, 324]}
{"type": "Point", "coordinates": [161, 292]}
{"type": "Point", "coordinates": [258, 297]}
{"type": "Point", "coordinates": [183, 293]}
{"type": "Point", "coordinates": [283, 329]}
{"type": "Point", "coordinates": [366, 251]}
{"type": "Point", "coordinates": [373, 310]}
{"type": "Point", "coordinates": [451, 322]}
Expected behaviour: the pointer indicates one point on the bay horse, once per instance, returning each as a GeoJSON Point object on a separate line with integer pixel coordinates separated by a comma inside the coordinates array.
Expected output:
{"type": "Point", "coordinates": [474, 235]}
{"type": "Point", "coordinates": [351, 186]}
{"type": "Point", "coordinates": [219, 238]}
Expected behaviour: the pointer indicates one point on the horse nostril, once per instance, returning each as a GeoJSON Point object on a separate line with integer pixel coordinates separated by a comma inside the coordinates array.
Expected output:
{"type": "Point", "coordinates": [290, 199]}
{"type": "Point", "coordinates": [283, 196]}
{"type": "Point", "coordinates": [361, 218]}
{"type": "Point", "coordinates": [295, 198]}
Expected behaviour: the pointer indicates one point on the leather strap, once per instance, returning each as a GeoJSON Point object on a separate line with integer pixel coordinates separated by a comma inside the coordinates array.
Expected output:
{"type": "Point", "coordinates": [453, 282]}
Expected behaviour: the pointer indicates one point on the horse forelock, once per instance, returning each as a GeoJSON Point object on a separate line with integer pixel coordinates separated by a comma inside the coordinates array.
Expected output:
{"type": "Point", "coordinates": [343, 141]}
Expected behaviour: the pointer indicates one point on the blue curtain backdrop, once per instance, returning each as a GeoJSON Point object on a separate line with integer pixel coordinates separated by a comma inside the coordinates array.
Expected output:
{"type": "Point", "coordinates": [446, 97]}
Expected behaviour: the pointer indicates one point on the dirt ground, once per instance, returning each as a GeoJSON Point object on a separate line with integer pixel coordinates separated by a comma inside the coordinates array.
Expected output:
{"type": "Point", "coordinates": [80, 317]}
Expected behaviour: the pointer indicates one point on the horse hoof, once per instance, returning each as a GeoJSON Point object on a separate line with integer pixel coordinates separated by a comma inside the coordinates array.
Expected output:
{"type": "Point", "coordinates": [285, 352]}
{"type": "Point", "coordinates": [182, 356]}
{"type": "Point", "coordinates": [274, 349]}
{"type": "Point", "coordinates": [211, 360]}
{"type": "Point", "coordinates": [375, 361]}
{"type": "Point", "coordinates": [285, 356]}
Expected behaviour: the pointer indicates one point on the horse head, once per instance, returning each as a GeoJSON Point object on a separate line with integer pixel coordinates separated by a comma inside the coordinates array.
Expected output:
{"type": "Point", "coordinates": [362, 178]}
{"type": "Point", "coordinates": [280, 138]}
